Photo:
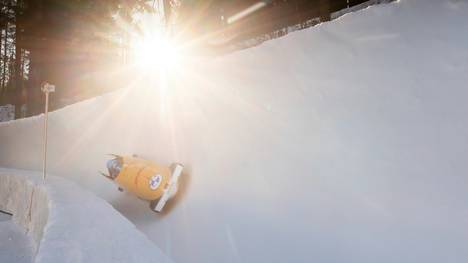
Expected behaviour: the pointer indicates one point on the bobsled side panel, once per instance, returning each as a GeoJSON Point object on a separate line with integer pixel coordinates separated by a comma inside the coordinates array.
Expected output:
{"type": "Point", "coordinates": [143, 178]}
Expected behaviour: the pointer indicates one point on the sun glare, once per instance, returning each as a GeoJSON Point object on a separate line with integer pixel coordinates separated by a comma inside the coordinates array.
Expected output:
{"type": "Point", "coordinates": [155, 53]}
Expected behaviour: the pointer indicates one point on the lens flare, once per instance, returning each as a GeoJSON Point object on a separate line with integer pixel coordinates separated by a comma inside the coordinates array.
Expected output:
{"type": "Point", "coordinates": [155, 53]}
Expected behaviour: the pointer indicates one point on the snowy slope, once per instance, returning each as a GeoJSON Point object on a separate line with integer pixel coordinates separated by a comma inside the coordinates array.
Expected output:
{"type": "Point", "coordinates": [15, 246]}
{"type": "Point", "coordinates": [346, 142]}
{"type": "Point", "coordinates": [66, 223]}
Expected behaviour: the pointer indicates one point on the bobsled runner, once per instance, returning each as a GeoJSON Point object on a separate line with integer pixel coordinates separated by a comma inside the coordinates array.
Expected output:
{"type": "Point", "coordinates": [145, 179]}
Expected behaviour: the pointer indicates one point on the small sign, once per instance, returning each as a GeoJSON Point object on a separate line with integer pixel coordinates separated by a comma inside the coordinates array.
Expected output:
{"type": "Point", "coordinates": [155, 181]}
{"type": "Point", "coordinates": [7, 112]}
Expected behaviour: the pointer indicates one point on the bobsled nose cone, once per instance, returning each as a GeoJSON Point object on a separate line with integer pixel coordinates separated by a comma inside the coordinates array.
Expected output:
{"type": "Point", "coordinates": [114, 166]}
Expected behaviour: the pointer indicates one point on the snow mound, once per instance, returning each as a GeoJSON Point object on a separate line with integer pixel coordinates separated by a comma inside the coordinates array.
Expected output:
{"type": "Point", "coordinates": [345, 142]}
{"type": "Point", "coordinates": [68, 224]}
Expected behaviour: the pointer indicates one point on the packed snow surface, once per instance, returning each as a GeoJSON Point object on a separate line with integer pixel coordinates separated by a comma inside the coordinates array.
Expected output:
{"type": "Point", "coordinates": [77, 226]}
{"type": "Point", "coordinates": [345, 142]}
{"type": "Point", "coordinates": [15, 245]}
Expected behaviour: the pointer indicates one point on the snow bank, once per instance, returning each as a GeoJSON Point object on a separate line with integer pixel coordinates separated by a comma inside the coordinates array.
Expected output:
{"type": "Point", "coordinates": [345, 142]}
{"type": "Point", "coordinates": [15, 245]}
{"type": "Point", "coordinates": [24, 198]}
{"type": "Point", "coordinates": [68, 224]}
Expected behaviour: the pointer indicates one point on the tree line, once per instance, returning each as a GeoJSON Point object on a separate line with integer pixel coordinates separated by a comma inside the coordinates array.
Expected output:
{"type": "Point", "coordinates": [56, 40]}
{"type": "Point", "coordinates": [75, 44]}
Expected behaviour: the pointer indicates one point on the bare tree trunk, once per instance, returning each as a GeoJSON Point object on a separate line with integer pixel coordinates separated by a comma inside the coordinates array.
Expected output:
{"type": "Point", "coordinates": [5, 58]}
{"type": "Point", "coordinates": [18, 76]}
{"type": "Point", "coordinates": [3, 65]}
{"type": "Point", "coordinates": [17, 61]}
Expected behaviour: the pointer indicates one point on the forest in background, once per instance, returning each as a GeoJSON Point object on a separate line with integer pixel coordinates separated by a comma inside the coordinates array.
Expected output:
{"type": "Point", "coordinates": [81, 45]}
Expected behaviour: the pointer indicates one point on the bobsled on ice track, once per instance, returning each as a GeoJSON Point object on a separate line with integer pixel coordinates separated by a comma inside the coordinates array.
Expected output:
{"type": "Point", "coordinates": [145, 179]}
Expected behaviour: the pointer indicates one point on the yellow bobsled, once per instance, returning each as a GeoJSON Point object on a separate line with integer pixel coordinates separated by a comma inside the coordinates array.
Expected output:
{"type": "Point", "coordinates": [145, 179]}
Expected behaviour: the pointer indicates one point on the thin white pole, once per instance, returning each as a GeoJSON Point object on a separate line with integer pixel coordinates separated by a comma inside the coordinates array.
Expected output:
{"type": "Point", "coordinates": [44, 163]}
{"type": "Point", "coordinates": [46, 88]}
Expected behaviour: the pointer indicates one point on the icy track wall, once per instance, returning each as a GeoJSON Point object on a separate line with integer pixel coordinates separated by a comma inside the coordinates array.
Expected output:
{"type": "Point", "coordinates": [27, 201]}
{"type": "Point", "coordinates": [68, 224]}
{"type": "Point", "coordinates": [346, 142]}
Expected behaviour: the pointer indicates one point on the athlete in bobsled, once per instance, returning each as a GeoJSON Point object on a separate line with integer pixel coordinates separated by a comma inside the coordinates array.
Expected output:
{"type": "Point", "coordinates": [144, 179]}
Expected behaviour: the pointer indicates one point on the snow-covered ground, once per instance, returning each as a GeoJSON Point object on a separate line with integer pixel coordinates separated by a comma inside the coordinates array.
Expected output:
{"type": "Point", "coordinates": [15, 245]}
{"type": "Point", "coordinates": [345, 142]}
{"type": "Point", "coordinates": [66, 223]}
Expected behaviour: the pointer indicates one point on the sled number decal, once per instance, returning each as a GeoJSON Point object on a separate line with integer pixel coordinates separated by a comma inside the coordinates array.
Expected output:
{"type": "Point", "coordinates": [155, 181]}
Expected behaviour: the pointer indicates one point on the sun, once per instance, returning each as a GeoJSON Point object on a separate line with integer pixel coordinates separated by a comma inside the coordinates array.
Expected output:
{"type": "Point", "coordinates": [155, 53]}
